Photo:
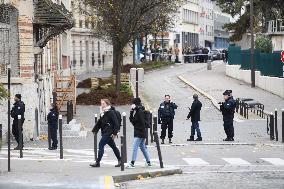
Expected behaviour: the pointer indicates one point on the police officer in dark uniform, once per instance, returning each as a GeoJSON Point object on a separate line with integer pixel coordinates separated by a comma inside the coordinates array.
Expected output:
{"type": "Point", "coordinates": [18, 109]}
{"type": "Point", "coordinates": [52, 119]}
{"type": "Point", "coordinates": [166, 114]}
{"type": "Point", "coordinates": [228, 110]}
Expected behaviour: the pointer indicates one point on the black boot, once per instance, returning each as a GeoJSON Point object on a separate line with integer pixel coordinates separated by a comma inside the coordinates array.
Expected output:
{"type": "Point", "coordinates": [191, 138]}
{"type": "Point", "coordinates": [170, 141]}
{"type": "Point", "coordinates": [97, 164]}
{"type": "Point", "coordinates": [118, 164]}
{"type": "Point", "coordinates": [199, 139]}
{"type": "Point", "coordinates": [163, 141]}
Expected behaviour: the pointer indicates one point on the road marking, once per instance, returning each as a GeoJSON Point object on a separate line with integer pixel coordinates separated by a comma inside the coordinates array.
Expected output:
{"type": "Point", "coordinates": [274, 161]}
{"type": "Point", "coordinates": [195, 161]}
{"type": "Point", "coordinates": [108, 182]}
{"type": "Point", "coordinates": [236, 161]}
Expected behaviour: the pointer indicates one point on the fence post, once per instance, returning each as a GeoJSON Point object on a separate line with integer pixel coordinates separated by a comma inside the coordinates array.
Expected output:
{"type": "Point", "coordinates": [271, 126]}
{"type": "Point", "coordinates": [159, 149]}
{"type": "Point", "coordinates": [96, 140]}
{"type": "Point", "coordinates": [122, 153]}
{"type": "Point", "coordinates": [151, 126]}
{"type": "Point", "coordinates": [60, 137]}
{"type": "Point", "coordinates": [283, 125]}
{"type": "Point", "coordinates": [20, 135]}
{"type": "Point", "coordinates": [124, 137]}
{"type": "Point", "coordinates": [276, 124]}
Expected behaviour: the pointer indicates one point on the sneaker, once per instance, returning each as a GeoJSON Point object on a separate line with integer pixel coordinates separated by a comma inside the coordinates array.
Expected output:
{"type": "Point", "coordinates": [191, 138]}
{"type": "Point", "coordinates": [170, 141]}
{"type": "Point", "coordinates": [95, 164]}
{"type": "Point", "coordinates": [148, 164]}
{"type": "Point", "coordinates": [130, 166]}
{"type": "Point", "coordinates": [52, 148]}
{"type": "Point", "coordinates": [227, 139]}
{"type": "Point", "coordinates": [199, 139]}
{"type": "Point", "coordinates": [232, 139]}
{"type": "Point", "coordinates": [18, 148]}
{"type": "Point", "coordinates": [163, 141]}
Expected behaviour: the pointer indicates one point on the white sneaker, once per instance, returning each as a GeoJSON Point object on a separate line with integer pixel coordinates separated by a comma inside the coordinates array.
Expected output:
{"type": "Point", "coordinates": [130, 166]}
{"type": "Point", "coordinates": [148, 165]}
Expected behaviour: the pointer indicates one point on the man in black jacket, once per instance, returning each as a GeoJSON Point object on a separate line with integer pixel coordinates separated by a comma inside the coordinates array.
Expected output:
{"type": "Point", "coordinates": [18, 109]}
{"type": "Point", "coordinates": [52, 119]}
{"type": "Point", "coordinates": [166, 115]}
{"type": "Point", "coordinates": [137, 118]}
{"type": "Point", "coordinates": [194, 114]}
{"type": "Point", "coordinates": [109, 125]}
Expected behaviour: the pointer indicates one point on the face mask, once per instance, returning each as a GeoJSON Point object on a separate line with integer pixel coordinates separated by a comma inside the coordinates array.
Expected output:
{"type": "Point", "coordinates": [133, 106]}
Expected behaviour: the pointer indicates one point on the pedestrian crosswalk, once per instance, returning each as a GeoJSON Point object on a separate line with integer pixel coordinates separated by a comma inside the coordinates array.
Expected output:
{"type": "Point", "coordinates": [87, 156]}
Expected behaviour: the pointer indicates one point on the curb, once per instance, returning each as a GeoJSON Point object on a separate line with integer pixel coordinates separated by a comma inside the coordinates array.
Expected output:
{"type": "Point", "coordinates": [151, 174]}
{"type": "Point", "coordinates": [211, 98]}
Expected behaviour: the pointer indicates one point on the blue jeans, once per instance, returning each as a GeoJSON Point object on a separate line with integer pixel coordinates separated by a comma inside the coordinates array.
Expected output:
{"type": "Point", "coordinates": [104, 141]}
{"type": "Point", "coordinates": [140, 142]}
{"type": "Point", "coordinates": [195, 126]}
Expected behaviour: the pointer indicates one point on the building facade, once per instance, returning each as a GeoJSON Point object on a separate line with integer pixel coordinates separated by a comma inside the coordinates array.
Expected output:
{"type": "Point", "coordinates": [35, 47]}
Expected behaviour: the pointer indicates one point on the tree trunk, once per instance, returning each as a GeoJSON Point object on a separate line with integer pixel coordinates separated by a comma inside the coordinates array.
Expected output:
{"type": "Point", "coordinates": [133, 49]}
{"type": "Point", "coordinates": [155, 46]}
{"type": "Point", "coordinates": [117, 62]}
{"type": "Point", "coordinates": [146, 48]}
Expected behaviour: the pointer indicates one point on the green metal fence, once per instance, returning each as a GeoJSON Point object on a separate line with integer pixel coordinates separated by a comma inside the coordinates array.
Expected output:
{"type": "Point", "coordinates": [269, 64]}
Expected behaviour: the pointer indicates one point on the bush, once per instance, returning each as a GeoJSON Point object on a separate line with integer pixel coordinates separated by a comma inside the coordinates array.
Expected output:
{"type": "Point", "coordinates": [3, 92]}
{"type": "Point", "coordinates": [264, 44]}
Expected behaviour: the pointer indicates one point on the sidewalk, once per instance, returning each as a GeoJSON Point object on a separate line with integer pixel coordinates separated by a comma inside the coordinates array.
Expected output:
{"type": "Point", "coordinates": [214, 82]}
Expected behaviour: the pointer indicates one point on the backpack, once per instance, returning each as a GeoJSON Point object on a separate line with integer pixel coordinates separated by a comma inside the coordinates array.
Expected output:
{"type": "Point", "coordinates": [147, 117]}
{"type": "Point", "coordinates": [118, 117]}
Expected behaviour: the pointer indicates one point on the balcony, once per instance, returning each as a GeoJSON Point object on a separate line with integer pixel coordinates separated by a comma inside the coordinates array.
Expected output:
{"type": "Point", "coordinates": [276, 27]}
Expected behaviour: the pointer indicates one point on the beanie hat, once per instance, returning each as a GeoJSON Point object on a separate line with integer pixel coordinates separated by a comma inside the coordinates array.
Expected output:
{"type": "Point", "coordinates": [137, 101]}
{"type": "Point", "coordinates": [19, 96]}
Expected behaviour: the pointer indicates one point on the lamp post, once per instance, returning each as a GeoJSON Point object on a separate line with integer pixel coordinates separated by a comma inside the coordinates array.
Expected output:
{"type": "Point", "coordinates": [252, 46]}
{"type": "Point", "coordinates": [9, 117]}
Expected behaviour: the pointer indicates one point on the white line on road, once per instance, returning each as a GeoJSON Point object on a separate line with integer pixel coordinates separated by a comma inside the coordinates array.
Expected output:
{"type": "Point", "coordinates": [236, 161]}
{"type": "Point", "coordinates": [195, 161]}
{"type": "Point", "coordinates": [274, 161]}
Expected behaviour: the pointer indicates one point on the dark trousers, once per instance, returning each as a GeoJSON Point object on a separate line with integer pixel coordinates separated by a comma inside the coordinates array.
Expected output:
{"type": "Point", "coordinates": [104, 141]}
{"type": "Point", "coordinates": [229, 128]}
{"type": "Point", "coordinates": [16, 131]}
{"type": "Point", "coordinates": [195, 127]}
{"type": "Point", "coordinates": [53, 133]}
{"type": "Point", "coordinates": [167, 123]}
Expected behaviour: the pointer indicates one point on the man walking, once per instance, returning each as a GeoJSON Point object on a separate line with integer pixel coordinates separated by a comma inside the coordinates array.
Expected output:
{"type": "Point", "coordinates": [52, 119]}
{"type": "Point", "coordinates": [194, 114]}
{"type": "Point", "coordinates": [228, 110]}
{"type": "Point", "coordinates": [166, 114]}
{"type": "Point", "coordinates": [18, 109]}
{"type": "Point", "coordinates": [137, 118]}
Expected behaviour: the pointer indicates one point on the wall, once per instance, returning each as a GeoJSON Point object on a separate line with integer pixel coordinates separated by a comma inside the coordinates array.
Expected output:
{"type": "Point", "coordinates": [274, 85]}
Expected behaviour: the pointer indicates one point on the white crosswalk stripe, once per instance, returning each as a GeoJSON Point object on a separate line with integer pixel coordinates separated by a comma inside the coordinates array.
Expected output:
{"type": "Point", "coordinates": [274, 161]}
{"type": "Point", "coordinates": [195, 161]}
{"type": "Point", "coordinates": [236, 161]}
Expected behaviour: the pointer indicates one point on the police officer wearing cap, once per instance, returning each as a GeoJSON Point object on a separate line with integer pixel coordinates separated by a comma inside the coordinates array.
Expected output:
{"type": "Point", "coordinates": [18, 109]}
{"type": "Point", "coordinates": [52, 119]}
{"type": "Point", "coordinates": [228, 110]}
{"type": "Point", "coordinates": [166, 114]}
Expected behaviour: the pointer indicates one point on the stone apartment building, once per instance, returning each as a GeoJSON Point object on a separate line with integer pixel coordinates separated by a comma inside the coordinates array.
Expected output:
{"type": "Point", "coordinates": [35, 47]}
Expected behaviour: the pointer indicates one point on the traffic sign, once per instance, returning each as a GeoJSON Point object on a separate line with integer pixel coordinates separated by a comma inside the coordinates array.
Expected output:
{"type": "Point", "coordinates": [282, 56]}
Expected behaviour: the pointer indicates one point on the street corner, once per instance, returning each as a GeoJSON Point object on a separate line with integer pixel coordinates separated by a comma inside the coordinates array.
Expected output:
{"type": "Point", "coordinates": [145, 174]}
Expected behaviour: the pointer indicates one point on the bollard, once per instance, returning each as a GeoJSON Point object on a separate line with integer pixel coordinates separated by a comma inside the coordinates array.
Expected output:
{"type": "Point", "coordinates": [271, 126]}
{"type": "Point", "coordinates": [147, 136]}
{"type": "Point", "coordinates": [242, 108]}
{"type": "Point", "coordinates": [209, 64]}
{"type": "Point", "coordinates": [267, 124]}
{"type": "Point", "coordinates": [124, 137]}
{"type": "Point", "coordinates": [283, 125]}
{"type": "Point", "coordinates": [158, 149]}
{"type": "Point", "coordinates": [69, 111]}
{"type": "Point", "coordinates": [275, 124]}
{"type": "Point", "coordinates": [96, 140]}
{"type": "Point", "coordinates": [0, 134]}
{"type": "Point", "coordinates": [155, 125]}
{"type": "Point", "coordinates": [9, 119]}
{"type": "Point", "coordinates": [122, 153]}
{"type": "Point", "coordinates": [151, 127]}
{"type": "Point", "coordinates": [20, 135]}
{"type": "Point", "coordinates": [60, 137]}
{"type": "Point", "coordinates": [48, 136]}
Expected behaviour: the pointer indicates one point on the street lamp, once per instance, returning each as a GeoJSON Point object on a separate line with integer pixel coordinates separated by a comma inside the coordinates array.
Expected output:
{"type": "Point", "coordinates": [252, 46]}
{"type": "Point", "coordinates": [9, 114]}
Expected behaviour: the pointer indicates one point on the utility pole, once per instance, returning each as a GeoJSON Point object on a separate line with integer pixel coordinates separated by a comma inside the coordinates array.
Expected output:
{"type": "Point", "coordinates": [252, 46]}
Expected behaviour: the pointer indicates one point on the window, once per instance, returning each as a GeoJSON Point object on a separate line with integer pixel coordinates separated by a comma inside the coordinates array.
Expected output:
{"type": "Point", "coordinates": [80, 23]}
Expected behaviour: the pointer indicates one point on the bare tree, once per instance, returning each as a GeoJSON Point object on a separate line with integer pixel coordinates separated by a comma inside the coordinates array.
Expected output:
{"type": "Point", "coordinates": [120, 21]}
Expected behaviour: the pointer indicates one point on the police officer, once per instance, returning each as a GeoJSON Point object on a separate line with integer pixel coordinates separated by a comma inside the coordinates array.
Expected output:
{"type": "Point", "coordinates": [18, 109]}
{"type": "Point", "coordinates": [166, 114]}
{"type": "Point", "coordinates": [52, 119]}
{"type": "Point", "coordinates": [194, 114]}
{"type": "Point", "coordinates": [228, 110]}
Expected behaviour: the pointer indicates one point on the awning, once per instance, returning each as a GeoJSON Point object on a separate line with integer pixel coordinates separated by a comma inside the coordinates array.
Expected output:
{"type": "Point", "coordinates": [53, 19]}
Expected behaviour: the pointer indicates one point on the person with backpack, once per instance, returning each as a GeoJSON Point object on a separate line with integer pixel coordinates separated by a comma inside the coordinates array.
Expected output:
{"type": "Point", "coordinates": [138, 118]}
{"type": "Point", "coordinates": [109, 125]}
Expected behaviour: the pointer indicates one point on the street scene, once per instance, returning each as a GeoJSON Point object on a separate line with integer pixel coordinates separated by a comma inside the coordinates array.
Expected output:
{"type": "Point", "coordinates": [141, 94]}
